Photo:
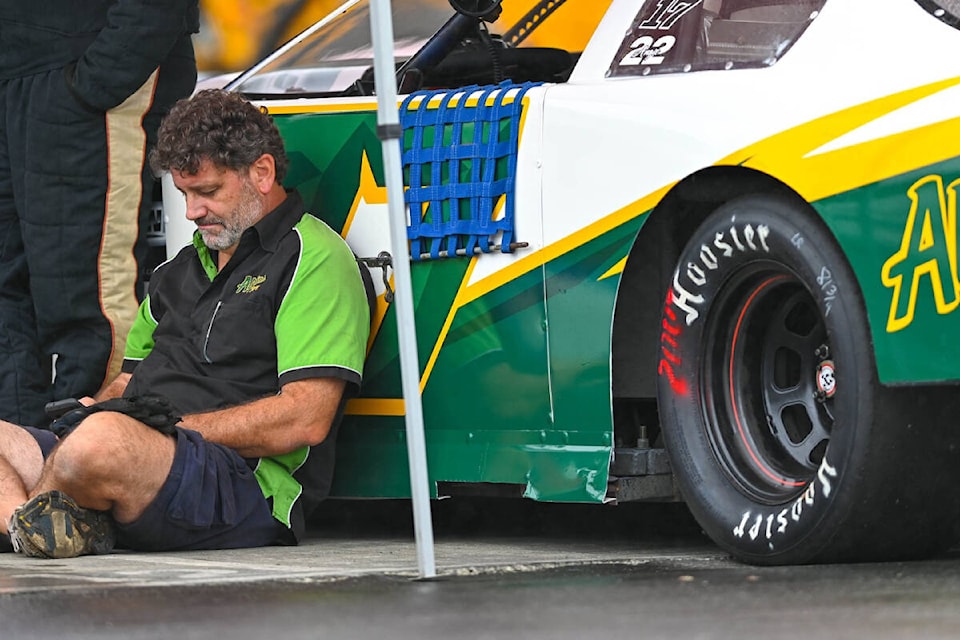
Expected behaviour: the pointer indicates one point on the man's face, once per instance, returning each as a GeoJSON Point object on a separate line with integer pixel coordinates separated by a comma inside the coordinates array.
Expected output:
{"type": "Point", "coordinates": [223, 203]}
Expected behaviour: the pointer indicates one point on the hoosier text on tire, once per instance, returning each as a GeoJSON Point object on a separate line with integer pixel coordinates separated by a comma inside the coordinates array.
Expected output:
{"type": "Point", "coordinates": [784, 444]}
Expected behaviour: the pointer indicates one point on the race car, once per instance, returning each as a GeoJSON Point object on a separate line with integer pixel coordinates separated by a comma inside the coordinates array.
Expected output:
{"type": "Point", "coordinates": [698, 250]}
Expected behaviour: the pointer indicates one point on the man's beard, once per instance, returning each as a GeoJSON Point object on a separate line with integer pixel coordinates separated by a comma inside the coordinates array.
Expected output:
{"type": "Point", "coordinates": [248, 213]}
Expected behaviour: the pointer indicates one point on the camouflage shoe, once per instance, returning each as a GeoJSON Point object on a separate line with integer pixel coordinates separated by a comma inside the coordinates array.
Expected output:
{"type": "Point", "coordinates": [52, 525]}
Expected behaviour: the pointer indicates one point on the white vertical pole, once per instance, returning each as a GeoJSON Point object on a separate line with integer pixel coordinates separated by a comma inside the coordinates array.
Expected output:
{"type": "Point", "coordinates": [388, 129]}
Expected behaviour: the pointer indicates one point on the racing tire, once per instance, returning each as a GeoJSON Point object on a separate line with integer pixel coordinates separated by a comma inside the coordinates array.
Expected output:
{"type": "Point", "coordinates": [783, 443]}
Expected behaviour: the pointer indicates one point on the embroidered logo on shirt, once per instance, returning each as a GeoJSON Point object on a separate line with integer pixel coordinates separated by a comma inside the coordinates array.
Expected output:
{"type": "Point", "coordinates": [251, 284]}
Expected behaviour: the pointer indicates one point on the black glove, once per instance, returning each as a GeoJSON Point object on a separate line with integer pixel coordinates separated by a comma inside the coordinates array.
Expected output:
{"type": "Point", "coordinates": [153, 411]}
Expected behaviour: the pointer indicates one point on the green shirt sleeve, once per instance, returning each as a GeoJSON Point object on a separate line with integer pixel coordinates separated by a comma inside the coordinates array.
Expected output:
{"type": "Point", "coordinates": [140, 338]}
{"type": "Point", "coordinates": [323, 323]}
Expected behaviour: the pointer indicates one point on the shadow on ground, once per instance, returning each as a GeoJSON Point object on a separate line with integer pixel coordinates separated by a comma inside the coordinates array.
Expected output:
{"type": "Point", "coordinates": [507, 517]}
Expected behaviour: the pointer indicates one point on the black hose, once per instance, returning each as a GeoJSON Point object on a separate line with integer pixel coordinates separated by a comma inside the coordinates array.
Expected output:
{"type": "Point", "coordinates": [494, 49]}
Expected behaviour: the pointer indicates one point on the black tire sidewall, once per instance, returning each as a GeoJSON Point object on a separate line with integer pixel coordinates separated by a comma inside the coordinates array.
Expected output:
{"type": "Point", "coordinates": [810, 522]}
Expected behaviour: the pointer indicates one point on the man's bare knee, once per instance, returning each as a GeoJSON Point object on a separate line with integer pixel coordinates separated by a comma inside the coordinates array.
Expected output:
{"type": "Point", "coordinates": [111, 461]}
{"type": "Point", "coordinates": [89, 454]}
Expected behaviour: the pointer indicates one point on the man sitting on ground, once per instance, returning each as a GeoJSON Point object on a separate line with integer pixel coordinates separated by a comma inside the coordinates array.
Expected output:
{"type": "Point", "coordinates": [255, 335]}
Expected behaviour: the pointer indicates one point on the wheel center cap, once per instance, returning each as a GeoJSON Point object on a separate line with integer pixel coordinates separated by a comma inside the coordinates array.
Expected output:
{"type": "Point", "coordinates": [826, 378]}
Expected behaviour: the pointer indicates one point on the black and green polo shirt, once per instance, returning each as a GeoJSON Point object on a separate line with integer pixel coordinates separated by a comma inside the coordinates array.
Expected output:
{"type": "Point", "coordinates": [289, 305]}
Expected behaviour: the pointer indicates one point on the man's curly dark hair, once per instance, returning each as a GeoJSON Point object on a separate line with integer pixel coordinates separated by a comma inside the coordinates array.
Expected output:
{"type": "Point", "coordinates": [220, 126]}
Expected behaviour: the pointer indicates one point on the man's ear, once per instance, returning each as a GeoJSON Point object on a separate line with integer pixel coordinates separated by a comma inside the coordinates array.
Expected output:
{"type": "Point", "coordinates": [263, 173]}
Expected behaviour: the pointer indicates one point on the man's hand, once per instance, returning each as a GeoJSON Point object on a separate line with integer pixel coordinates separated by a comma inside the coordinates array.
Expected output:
{"type": "Point", "coordinates": [153, 411]}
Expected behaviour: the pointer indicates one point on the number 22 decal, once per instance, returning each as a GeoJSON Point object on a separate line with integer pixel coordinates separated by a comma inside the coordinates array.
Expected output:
{"type": "Point", "coordinates": [646, 50]}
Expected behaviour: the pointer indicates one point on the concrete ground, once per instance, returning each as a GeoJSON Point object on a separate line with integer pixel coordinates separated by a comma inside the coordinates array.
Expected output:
{"type": "Point", "coordinates": [376, 538]}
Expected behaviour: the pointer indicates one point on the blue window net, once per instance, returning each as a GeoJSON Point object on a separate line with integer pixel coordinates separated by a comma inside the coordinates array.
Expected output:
{"type": "Point", "coordinates": [459, 158]}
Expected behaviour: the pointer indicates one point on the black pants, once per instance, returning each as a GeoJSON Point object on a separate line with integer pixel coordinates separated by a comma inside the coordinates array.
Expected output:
{"type": "Point", "coordinates": [74, 193]}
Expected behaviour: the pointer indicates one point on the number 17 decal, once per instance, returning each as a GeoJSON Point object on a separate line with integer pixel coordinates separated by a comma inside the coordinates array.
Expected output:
{"type": "Point", "coordinates": [668, 13]}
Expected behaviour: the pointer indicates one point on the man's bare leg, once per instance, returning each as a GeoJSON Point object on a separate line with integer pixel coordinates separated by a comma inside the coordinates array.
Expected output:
{"type": "Point", "coordinates": [111, 462]}
{"type": "Point", "coordinates": [12, 493]}
{"type": "Point", "coordinates": [21, 463]}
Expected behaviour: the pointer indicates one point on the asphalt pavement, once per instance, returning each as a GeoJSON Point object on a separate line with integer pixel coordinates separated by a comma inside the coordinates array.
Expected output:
{"type": "Point", "coordinates": [505, 570]}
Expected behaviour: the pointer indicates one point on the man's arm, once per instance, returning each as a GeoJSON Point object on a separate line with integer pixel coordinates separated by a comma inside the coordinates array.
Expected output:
{"type": "Point", "coordinates": [114, 389]}
{"type": "Point", "coordinates": [300, 415]}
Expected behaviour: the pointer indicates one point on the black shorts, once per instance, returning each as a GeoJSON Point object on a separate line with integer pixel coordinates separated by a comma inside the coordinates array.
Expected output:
{"type": "Point", "coordinates": [210, 500]}
{"type": "Point", "coordinates": [44, 438]}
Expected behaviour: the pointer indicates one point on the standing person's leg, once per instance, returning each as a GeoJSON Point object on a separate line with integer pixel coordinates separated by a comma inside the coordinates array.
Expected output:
{"type": "Point", "coordinates": [128, 201]}
{"type": "Point", "coordinates": [76, 292]}
{"type": "Point", "coordinates": [24, 376]}
{"type": "Point", "coordinates": [176, 79]}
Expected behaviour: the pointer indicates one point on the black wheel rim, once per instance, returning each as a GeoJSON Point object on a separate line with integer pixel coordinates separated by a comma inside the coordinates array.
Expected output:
{"type": "Point", "coordinates": [767, 419]}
